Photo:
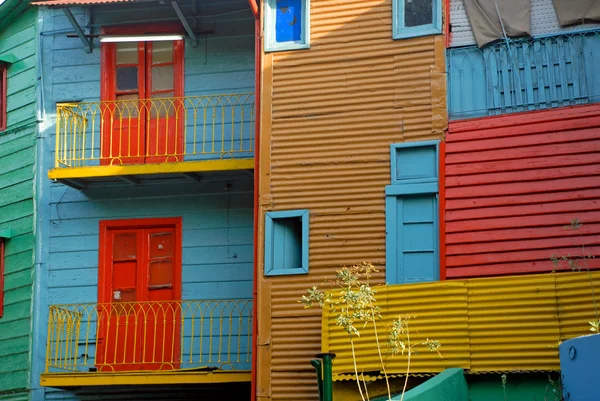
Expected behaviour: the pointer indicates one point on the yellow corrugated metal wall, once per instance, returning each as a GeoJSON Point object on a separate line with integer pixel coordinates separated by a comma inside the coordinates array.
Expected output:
{"type": "Point", "coordinates": [329, 114]}
{"type": "Point", "coordinates": [498, 324]}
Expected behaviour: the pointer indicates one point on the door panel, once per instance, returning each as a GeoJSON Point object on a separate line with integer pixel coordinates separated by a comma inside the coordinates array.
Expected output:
{"type": "Point", "coordinates": [134, 130]}
{"type": "Point", "coordinates": [140, 309]}
{"type": "Point", "coordinates": [416, 236]}
{"type": "Point", "coordinates": [119, 334]}
{"type": "Point", "coordinates": [163, 80]}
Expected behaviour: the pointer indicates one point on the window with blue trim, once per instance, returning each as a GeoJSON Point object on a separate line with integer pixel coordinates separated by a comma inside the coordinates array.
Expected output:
{"type": "Point", "coordinates": [416, 18]}
{"type": "Point", "coordinates": [412, 251]}
{"type": "Point", "coordinates": [286, 242]}
{"type": "Point", "coordinates": [287, 25]}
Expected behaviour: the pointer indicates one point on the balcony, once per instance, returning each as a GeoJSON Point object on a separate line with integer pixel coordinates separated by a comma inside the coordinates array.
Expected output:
{"type": "Point", "coordinates": [127, 141]}
{"type": "Point", "coordinates": [523, 75]}
{"type": "Point", "coordinates": [139, 343]}
{"type": "Point", "coordinates": [499, 324]}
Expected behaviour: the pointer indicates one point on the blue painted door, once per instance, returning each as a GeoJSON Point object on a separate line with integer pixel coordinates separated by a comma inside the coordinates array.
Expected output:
{"type": "Point", "coordinates": [416, 235]}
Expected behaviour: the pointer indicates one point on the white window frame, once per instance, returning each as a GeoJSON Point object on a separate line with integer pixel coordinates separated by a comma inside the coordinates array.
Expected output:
{"type": "Point", "coordinates": [271, 45]}
{"type": "Point", "coordinates": [400, 31]}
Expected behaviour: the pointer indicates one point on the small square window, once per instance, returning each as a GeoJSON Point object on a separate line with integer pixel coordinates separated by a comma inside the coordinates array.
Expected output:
{"type": "Point", "coordinates": [416, 18]}
{"type": "Point", "coordinates": [286, 242]}
{"type": "Point", "coordinates": [287, 25]}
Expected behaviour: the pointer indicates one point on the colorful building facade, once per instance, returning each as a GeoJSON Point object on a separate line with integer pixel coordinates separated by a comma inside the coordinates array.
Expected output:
{"type": "Point", "coordinates": [147, 200]}
{"type": "Point", "coordinates": [334, 118]}
{"type": "Point", "coordinates": [18, 164]}
{"type": "Point", "coordinates": [365, 156]}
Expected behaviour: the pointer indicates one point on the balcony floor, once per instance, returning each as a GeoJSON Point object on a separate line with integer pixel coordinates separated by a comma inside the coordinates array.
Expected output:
{"type": "Point", "coordinates": [135, 174]}
{"type": "Point", "coordinates": [142, 378]}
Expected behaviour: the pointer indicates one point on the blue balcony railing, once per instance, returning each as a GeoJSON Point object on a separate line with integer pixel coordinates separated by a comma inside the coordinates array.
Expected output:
{"type": "Point", "coordinates": [523, 74]}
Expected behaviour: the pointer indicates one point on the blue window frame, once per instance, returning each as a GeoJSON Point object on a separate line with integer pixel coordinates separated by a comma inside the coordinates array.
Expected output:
{"type": "Point", "coordinates": [412, 248]}
{"type": "Point", "coordinates": [287, 25]}
{"type": "Point", "coordinates": [286, 242]}
{"type": "Point", "coordinates": [413, 18]}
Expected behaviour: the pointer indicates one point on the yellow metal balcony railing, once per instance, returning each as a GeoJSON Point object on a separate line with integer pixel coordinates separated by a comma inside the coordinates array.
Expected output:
{"type": "Point", "coordinates": [500, 324]}
{"type": "Point", "coordinates": [149, 336]}
{"type": "Point", "coordinates": [160, 130]}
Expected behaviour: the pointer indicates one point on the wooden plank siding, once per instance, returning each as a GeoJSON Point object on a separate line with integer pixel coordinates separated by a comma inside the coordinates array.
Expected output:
{"type": "Point", "coordinates": [217, 211]}
{"type": "Point", "coordinates": [329, 116]}
{"type": "Point", "coordinates": [513, 183]}
{"type": "Point", "coordinates": [17, 165]}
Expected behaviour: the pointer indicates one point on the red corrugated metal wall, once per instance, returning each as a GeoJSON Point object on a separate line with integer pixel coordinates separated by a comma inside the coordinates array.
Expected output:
{"type": "Point", "coordinates": [513, 183]}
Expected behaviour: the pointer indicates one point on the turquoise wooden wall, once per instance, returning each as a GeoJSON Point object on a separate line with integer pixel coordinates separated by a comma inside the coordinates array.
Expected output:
{"type": "Point", "coordinates": [17, 165]}
{"type": "Point", "coordinates": [217, 213]}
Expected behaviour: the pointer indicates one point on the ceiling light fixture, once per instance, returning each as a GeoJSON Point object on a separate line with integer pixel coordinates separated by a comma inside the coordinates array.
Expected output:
{"type": "Point", "coordinates": [139, 38]}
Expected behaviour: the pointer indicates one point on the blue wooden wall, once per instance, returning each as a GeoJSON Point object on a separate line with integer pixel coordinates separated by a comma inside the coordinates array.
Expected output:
{"type": "Point", "coordinates": [217, 236]}
{"type": "Point", "coordinates": [523, 75]}
{"type": "Point", "coordinates": [217, 213]}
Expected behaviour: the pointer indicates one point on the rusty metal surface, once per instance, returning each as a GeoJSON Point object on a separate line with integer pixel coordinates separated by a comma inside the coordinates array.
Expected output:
{"type": "Point", "coordinates": [328, 116]}
{"type": "Point", "coordinates": [499, 324]}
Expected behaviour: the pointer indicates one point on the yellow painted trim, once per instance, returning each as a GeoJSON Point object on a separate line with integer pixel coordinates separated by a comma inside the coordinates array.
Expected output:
{"type": "Point", "coordinates": [147, 169]}
{"type": "Point", "coordinates": [143, 378]}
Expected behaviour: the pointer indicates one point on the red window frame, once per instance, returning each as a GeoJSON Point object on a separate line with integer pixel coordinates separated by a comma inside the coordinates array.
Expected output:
{"type": "Point", "coordinates": [104, 259]}
{"type": "Point", "coordinates": [3, 75]}
{"type": "Point", "coordinates": [1, 277]}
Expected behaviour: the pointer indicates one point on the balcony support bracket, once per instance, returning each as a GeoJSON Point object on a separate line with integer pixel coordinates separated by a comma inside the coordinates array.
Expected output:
{"type": "Point", "coordinates": [87, 41]}
{"type": "Point", "coordinates": [185, 23]}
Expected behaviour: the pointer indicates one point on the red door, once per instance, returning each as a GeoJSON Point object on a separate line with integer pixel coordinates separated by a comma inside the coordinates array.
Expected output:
{"type": "Point", "coordinates": [139, 295]}
{"type": "Point", "coordinates": [146, 124]}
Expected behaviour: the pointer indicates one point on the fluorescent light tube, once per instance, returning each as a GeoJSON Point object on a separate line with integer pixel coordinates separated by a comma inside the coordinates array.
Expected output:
{"type": "Point", "coordinates": [139, 38]}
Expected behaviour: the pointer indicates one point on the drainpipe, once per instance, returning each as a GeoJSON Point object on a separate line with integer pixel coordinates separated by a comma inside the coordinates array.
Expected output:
{"type": "Point", "coordinates": [324, 375]}
{"type": "Point", "coordinates": [257, 70]}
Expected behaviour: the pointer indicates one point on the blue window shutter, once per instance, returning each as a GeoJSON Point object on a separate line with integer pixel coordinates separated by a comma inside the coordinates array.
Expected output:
{"type": "Point", "coordinates": [286, 242]}
{"type": "Point", "coordinates": [412, 249]}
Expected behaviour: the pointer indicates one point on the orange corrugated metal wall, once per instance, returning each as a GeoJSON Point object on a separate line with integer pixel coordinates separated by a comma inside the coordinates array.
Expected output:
{"type": "Point", "coordinates": [512, 184]}
{"type": "Point", "coordinates": [329, 116]}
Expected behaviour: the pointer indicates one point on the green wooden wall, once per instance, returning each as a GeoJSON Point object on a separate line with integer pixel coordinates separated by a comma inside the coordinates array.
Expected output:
{"type": "Point", "coordinates": [17, 166]}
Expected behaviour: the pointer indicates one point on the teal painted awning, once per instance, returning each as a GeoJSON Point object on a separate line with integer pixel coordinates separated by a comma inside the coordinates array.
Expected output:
{"type": "Point", "coordinates": [8, 58]}
{"type": "Point", "coordinates": [5, 233]}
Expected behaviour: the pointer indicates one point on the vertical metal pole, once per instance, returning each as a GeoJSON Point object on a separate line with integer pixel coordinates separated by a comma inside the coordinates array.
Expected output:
{"type": "Point", "coordinates": [326, 377]}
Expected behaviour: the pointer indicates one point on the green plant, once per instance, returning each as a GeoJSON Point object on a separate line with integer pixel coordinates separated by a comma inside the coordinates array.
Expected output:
{"type": "Point", "coordinates": [354, 307]}
{"type": "Point", "coordinates": [579, 263]}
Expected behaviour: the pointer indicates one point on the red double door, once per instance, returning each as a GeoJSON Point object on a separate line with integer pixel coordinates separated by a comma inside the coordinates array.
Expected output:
{"type": "Point", "coordinates": [146, 123]}
{"type": "Point", "coordinates": [139, 312]}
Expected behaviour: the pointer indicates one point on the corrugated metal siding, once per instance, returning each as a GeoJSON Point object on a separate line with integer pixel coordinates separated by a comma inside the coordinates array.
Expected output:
{"type": "Point", "coordinates": [543, 22]}
{"type": "Point", "coordinates": [329, 116]}
{"type": "Point", "coordinates": [498, 324]}
{"type": "Point", "coordinates": [513, 183]}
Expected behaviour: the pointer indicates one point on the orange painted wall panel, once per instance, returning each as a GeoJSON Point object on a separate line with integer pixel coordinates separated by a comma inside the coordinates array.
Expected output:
{"type": "Point", "coordinates": [328, 118]}
{"type": "Point", "coordinates": [512, 184]}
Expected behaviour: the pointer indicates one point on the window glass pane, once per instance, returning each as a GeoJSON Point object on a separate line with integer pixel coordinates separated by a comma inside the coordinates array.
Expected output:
{"type": "Point", "coordinates": [128, 105]}
{"type": "Point", "coordinates": [162, 108]}
{"type": "Point", "coordinates": [288, 20]}
{"type": "Point", "coordinates": [162, 52]}
{"type": "Point", "coordinates": [161, 273]}
{"type": "Point", "coordinates": [162, 78]}
{"type": "Point", "coordinates": [125, 246]}
{"type": "Point", "coordinates": [418, 12]}
{"type": "Point", "coordinates": [127, 53]}
{"type": "Point", "coordinates": [127, 78]}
